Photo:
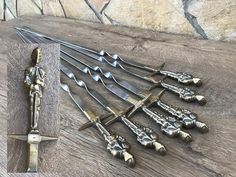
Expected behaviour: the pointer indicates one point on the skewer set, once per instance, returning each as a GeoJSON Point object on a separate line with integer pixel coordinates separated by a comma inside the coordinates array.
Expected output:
{"type": "Point", "coordinates": [171, 125]}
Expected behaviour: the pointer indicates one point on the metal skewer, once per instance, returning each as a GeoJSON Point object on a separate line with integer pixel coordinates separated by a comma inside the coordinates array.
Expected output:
{"type": "Point", "coordinates": [145, 136]}
{"type": "Point", "coordinates": [186, 117]}
{"type": "Point", "coordinates": [116, 144]}
{"type": "Point", "coordinates": [184, 93]}
{"type": "Point", "coordinates": [184, 78]}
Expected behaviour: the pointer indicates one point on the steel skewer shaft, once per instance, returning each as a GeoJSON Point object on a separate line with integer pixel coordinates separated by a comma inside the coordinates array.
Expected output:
{"type": "Point", "coordinates": [171, 130]}
{"type": "Point", "coordinates": [184, 78]}
{"type": "Point", "coordinates": [145, 136]}
{"type": "Point", "coordinates": [184, 93]}
{"type": "Point", "coordinates": [116, 144]}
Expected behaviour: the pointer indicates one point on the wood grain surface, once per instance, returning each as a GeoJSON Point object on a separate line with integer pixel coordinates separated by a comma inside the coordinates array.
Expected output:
{"type": "Point", "coordinates": [84, 154]}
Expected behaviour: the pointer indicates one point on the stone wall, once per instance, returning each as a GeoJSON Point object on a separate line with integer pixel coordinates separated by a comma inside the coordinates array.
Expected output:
{"type": "Point", "coordinates": [209, 19]}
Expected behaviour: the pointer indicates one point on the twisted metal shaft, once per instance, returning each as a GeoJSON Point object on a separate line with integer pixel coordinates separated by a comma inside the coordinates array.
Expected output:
{"type": "Point", "coordinates": [184, 93]}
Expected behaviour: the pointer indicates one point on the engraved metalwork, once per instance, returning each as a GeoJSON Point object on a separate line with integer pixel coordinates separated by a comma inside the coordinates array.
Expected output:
{"type": "Point", "coordinates": [187, 118]}
{"type": "Point", "coordinates": [171, 130]}
{"type": "Point", "coordinates": [184, 93]}
{"type": "Point", "coordinates": [145, 136]}
{"type": "Point", "coordinates": [116, 144]}
{"type": "Point", "coordinates": [35, 81]}
{"type": "Point", "coordinates": [181, 77]}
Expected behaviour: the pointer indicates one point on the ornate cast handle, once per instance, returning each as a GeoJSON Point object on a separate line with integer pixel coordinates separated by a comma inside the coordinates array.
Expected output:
{"type": "Point", "coordinates": [117, 145]}
{"type": "Point", "coordinates": [185, 93]}
{"type": "Point", "coordinates": [168, 125]}
{"type": "Point", "coordinates": [186, 117]}
{"type": "Point", "coordinates": [145, 136]}
{"type": "Point", "coordinates": [35, 80]}
{"type": "Point", "coordinates": [182, 77]}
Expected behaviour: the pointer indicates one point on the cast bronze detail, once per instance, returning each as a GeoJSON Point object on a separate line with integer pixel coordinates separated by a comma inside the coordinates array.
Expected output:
{"type": "Point", "coordinates": [169, 126]}
{"type": "Point", "coordinates": [186, 117]}
{"type": "Point", "coordinates": [35, 81]}
{"type": "Point", "coordinates": [145, 136]}
{"type": "Point", "coordinates": [116, 144]}
{"type": "Point", "coordinates": [117, 62]}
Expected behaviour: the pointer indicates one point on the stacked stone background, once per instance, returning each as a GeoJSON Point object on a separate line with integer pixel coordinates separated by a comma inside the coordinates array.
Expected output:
{"type": "Point", "coordinates": [209, 19]}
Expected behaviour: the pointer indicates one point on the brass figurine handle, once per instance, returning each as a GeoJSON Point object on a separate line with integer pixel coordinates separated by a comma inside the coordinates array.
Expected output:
{"type": "Point", "coordinates": [186, 117]}
{"type": "Point", "coordinates": [182, 77]}
{"type": "Point", "coordinates": [117, 145]}
{"type": "Point", "coordinates": [184, 93]}
{"type": "Point", "coordinates": [145, 136]}
{"type": "Point", "coordinates": [169, 126]}
{"type": "Point", "coordinates": [35, 81]}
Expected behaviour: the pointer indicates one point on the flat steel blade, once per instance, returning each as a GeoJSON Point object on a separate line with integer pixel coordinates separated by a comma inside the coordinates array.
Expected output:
{"type": "Point", "coordinates": [121, 94]}
{"type": "Point", "coordinates": [33, 158]}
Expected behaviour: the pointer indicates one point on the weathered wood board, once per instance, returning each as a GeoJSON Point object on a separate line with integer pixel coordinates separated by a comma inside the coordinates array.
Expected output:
{"type": "Point", "coordinates": [3, 108]}
{"type": "Point", "coordinates": [19, 104]}
{"type": "Point", "coordinates": [84, 154]}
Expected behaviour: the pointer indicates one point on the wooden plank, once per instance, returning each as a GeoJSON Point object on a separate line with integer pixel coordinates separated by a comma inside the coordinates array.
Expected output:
{"type": "Point", "coordinates": [18, 103]}
{"type": "Point", "coordinates": [84, 154]}
{"type": "Point", "coordinates": [3, 108]}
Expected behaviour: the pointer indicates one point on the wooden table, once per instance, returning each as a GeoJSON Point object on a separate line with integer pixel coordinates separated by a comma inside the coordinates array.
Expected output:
{"type": "Point", "coordinates": [84, 154]}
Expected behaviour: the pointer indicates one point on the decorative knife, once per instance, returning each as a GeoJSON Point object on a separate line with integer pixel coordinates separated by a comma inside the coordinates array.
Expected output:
{"type": "Point", "coordinates": [35, 81]}
{"type": "Point", "coordinates": [184, 93]}
{"type": "Point", "coordinates": [116, 144]}
{"type": "Point", "coordinates": [168, 124]}
{"type": "Point", "coordinates": [145, 136]}
{"type": "Point", "coordinates": [184, 78]}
